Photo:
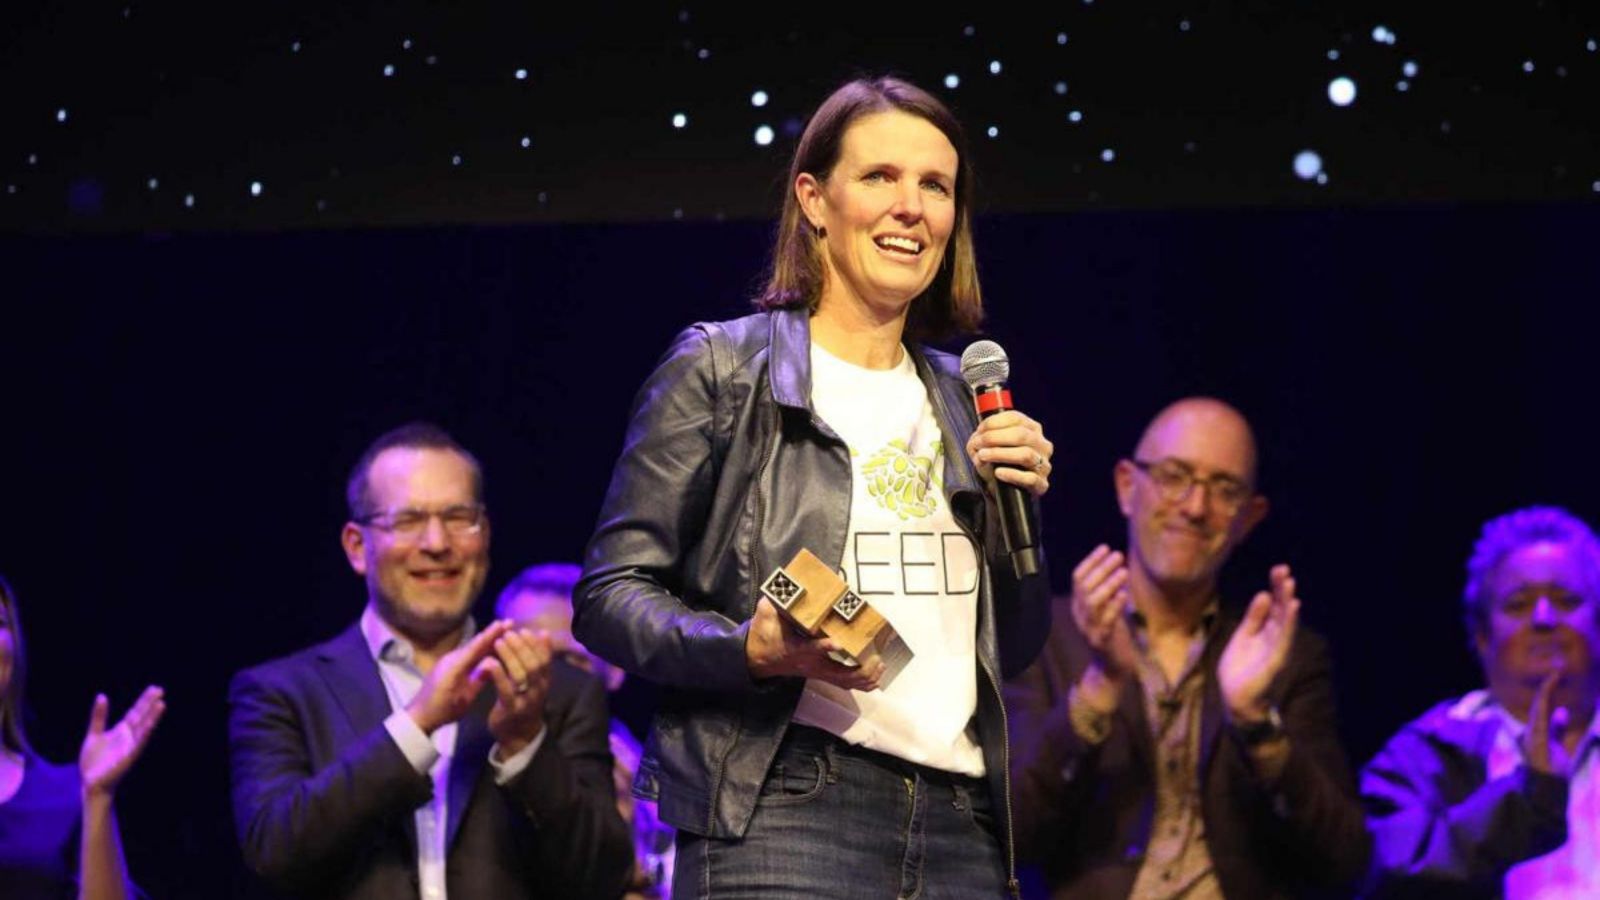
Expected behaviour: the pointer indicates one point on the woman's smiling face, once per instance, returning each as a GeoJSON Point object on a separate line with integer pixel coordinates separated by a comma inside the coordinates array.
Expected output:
{"type": "Point", "coordinates": [887, 209]}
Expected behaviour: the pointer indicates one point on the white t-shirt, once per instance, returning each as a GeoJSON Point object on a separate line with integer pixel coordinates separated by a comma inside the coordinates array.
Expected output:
{"type": "Point", "coordinates": [905, 555]}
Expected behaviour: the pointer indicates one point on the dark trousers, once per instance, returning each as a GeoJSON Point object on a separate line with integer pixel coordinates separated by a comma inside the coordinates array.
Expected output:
{"type": "Point", "coordinates": [836, 822]}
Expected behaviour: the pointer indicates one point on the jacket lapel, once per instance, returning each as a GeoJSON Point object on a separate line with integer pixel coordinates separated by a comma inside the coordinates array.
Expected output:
{"type": "Point", "coordinates": [1211, 706]}
{"type": "Point", "coordinates": [352, 677]}
{"type": "Point", "coordinates": [473, 741]}
{"type": "Point", "coordinates": [949, 394]}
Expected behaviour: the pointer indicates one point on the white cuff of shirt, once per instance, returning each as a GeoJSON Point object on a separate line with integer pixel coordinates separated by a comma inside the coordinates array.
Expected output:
{"type": "Point", "coordinates": [505, 770]}
{"type": "Point", "coordinates": [417, 747]}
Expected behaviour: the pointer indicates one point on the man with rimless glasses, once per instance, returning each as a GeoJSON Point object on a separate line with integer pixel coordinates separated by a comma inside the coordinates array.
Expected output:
{"type": "Point", "coordinates": [414, 755]}
{"type": "Point", "coordinates": [1166, 744]}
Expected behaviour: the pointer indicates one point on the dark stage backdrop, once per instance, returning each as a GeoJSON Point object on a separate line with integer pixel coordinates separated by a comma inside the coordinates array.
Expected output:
{"type": "Point", "coordinates": [180, 412]}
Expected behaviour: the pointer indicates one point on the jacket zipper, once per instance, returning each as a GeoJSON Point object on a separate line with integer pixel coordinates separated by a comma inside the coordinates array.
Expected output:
{"type": "Point", "coordinates": [760, 574]}
{"type": "Point", "coordinates": [758, 557]}
{"type": "Point", "coordinates": [1013, 886]}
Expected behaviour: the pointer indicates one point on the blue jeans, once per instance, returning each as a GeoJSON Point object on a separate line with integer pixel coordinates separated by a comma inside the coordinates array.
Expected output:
{"type": "Point", "coordinates": [846, 823]}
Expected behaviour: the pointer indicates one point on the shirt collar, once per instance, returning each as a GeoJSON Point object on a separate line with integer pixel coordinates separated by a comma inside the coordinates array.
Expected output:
{"type": "Point", "coordinates": [386, 645]}
{"type": "Point", "coordinates": [1208, 619]}
{"type": "Point", "coordinates": [1480, 705]}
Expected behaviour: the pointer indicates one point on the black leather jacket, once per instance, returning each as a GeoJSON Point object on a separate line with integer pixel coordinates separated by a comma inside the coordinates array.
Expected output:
{"type": "Point", "coordinates": [726, 473]}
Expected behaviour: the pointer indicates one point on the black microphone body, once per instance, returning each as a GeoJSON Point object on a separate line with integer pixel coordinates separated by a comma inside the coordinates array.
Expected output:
{"type": "Point", "coordinates": [1018, 524]}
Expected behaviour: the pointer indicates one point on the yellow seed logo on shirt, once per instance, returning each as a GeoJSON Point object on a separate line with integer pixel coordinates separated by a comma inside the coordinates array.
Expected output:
{"type": "Point", "coordinates": [902, 483]}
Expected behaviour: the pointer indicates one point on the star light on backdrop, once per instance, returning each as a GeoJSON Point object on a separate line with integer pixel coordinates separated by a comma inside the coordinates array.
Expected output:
{"type": "Point", "coordinates": [1342, 91]}
{"type": "Point", "coordinates": [1307, 165]}
{"type": "Point", "coordinates": [1200, 109]}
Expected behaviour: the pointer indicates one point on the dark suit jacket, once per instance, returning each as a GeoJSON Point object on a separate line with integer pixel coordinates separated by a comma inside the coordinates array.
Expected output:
{"type": "Point", "coordinates": [1084, 813]}
{"type": "Point", "coordinates": [324, 801]}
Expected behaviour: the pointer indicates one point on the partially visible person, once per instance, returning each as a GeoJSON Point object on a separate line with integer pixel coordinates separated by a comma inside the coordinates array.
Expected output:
{"type": "Point", "coordinates": [540, 598]}
{"type": "Point", "coordinates": [58, 828]}
{"type": "Point", "coordinates": [1169, 744]}
{"type": "Point", "coordinates": [414, 755]}
{"type": "Point", "coordinates": [1497, 793]}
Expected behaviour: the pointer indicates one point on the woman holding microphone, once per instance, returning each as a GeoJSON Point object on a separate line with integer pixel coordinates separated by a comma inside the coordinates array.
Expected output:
{"type": "Point", "coordinates": [821, 423]}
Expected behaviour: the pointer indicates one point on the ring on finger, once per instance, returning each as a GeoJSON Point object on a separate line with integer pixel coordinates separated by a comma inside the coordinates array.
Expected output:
{"type": "Point", "coordinates": [1039, 462]}
{"type": "Point", "coordinates": [522, 687]}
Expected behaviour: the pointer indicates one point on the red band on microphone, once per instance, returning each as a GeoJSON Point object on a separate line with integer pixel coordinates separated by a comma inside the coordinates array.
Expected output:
{"type": "Point", "coordinates": [992, 401]}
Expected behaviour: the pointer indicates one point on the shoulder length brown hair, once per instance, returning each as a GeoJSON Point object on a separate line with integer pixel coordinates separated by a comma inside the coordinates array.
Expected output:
{"type": "Point", "coordinates": [953, 302]}
{"type": "Point", "coordinates": [12, 736]}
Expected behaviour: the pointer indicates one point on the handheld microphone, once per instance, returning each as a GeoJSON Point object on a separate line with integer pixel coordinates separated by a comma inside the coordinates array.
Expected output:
{"type": "Point", "coordinates": [985, 368]}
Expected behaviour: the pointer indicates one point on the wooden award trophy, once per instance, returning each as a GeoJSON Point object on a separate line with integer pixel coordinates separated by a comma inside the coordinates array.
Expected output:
{"type": "Point", "coordinates": [813, 597]}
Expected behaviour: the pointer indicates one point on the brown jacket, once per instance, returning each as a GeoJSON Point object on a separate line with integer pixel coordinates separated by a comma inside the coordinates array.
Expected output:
{"type": "Point", "coordinates": [1083, 813]}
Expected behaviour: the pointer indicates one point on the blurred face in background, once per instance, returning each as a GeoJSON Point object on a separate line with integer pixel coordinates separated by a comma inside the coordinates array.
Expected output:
{"type": "Point", "coordinates": [8, 645]}
{"type": "Point", "coordinates": [552, 614]}
{"type": "Point", "coordinates": [1539, 618]}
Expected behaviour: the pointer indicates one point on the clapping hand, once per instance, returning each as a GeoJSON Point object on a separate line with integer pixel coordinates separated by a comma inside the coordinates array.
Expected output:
{"type": "Point", "coordinates": [1258, 649]}
{"type": "Point", "coordinates": [520, 669]}
{"type": "Point", "coordinates": [107, 754]}
{"type": "Point", "coordinates": [455, 680]}
{"type": "Point", "coordinates": [1543, 739]}
{"type": "Point", "coordinates": [1099, 608]}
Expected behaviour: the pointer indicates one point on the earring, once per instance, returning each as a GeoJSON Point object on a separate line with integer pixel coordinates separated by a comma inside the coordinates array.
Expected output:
{"type": "Point", "coordinates": [821, 231]}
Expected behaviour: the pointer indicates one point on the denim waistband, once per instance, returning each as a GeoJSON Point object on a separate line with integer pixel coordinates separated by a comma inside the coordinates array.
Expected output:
{"type": "Point", "coordinates": [807, 737]}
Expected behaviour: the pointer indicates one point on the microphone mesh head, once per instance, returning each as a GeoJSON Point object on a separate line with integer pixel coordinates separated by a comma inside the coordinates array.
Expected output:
{"type": "Point", "coordinates": [983, 362]}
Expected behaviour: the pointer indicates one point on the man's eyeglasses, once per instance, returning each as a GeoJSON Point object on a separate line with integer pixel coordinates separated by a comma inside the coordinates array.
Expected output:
{"type": "Point", "coordinates": [1175, 480]}
{"type": "Point", "coordinates": [409, 524]}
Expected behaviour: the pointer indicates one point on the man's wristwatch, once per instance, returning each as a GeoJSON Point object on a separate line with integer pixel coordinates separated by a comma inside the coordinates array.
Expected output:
{"type": "Point", "coordinates": [1090, 724]}
{"type": "Point", "coordinates": [1253, 734]}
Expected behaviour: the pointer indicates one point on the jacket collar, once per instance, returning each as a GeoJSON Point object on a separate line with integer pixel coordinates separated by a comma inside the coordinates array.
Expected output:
{"type": "Point", "coordinates": [789, 363]}
{"type": "Point", "coordinates": [952, 403]}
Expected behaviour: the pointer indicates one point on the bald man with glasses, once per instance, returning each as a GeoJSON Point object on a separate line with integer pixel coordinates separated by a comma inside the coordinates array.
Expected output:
{"type": "Point", "coordinates": [415, 755]}
{"type": "Point", "coordinates": [1165, 744]}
